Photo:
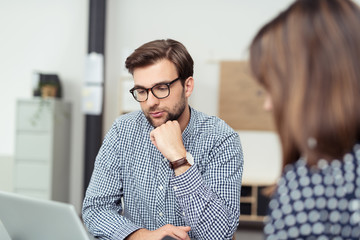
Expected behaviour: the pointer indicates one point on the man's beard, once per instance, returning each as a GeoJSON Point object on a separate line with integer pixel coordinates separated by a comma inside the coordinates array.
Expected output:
{"type": "Point", "coordinates": [172, 115]}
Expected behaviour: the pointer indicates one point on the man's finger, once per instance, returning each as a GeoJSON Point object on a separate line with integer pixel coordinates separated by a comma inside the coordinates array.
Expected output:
{"type": "Point", "coordinates": [185, 228]}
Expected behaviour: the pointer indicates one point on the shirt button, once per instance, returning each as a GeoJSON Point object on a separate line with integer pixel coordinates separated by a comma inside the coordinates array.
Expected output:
{"type": "Point", "coordinates": [161, 214]}
{"type": "Point", "coordinates": [165, 160]}
{"type": "Point", "coordinates": [161, 187]}
{"type": "Point", "coordinates": [184, 213]}
{"type": "Point", "coordinates": [175, 188]}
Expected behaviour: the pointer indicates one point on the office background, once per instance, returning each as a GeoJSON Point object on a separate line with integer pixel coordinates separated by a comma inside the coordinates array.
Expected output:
{"type": "Point", "coordinates": [52, 36]}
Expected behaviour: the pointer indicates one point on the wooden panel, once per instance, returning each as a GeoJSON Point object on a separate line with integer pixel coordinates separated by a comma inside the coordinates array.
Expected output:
{"type": "Point", "coordinates": [241, 98]}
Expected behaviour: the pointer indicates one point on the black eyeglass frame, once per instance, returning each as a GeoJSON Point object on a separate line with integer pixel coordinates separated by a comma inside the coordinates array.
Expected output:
{"type": "Point", "coordinates": [147, 90]}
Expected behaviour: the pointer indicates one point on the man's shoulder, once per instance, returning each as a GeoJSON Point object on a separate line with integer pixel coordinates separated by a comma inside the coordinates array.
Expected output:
{"type": "Point", "coordinates": [130, 122]}
{"type": "Point", "coordinates": [210, 124]}
{"type": "Point", "coordinates": [130, 118]}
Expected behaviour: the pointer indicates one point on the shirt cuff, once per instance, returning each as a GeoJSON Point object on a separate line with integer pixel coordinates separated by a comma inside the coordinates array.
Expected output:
{"type": "Point", "coordinates": [124, 231]}
{"type": "Point", "coordinates": [181, 184]}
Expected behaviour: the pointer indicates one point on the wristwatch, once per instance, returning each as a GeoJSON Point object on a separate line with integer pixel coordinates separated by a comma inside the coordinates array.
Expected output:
{"type": "Point", "coordinates": [182, 161]}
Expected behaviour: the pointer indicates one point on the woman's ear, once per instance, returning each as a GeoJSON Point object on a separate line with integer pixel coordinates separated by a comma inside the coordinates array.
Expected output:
{"type": "Point", "coordinates": [189, 86]}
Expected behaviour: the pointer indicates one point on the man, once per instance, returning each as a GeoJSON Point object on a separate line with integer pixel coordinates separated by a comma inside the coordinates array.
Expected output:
{"type": "Point", "coordinates": [167, 170]}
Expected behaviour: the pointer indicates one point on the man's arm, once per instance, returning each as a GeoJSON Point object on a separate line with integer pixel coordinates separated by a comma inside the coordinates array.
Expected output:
{"type": "Point", "coordinates": [102, 207]}
{"type": "Point", "coordinates": [102, 204]}
{"type": "Point", "coordinates": [211, 200]}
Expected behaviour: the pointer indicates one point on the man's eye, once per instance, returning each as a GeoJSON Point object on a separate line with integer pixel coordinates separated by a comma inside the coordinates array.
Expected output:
{"type": "Point", "coordinates": [141, 91]}
{"type": "Point", "coordinates": [162, 88]}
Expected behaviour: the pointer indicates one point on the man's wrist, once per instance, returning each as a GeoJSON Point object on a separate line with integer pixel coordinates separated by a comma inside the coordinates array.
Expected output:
{"type": "Point", "coordinates": [188, 160]}
{"type": "Point", "coordinates": [182, 169]}
{"type": "Point", "coordinates": [178, 163]}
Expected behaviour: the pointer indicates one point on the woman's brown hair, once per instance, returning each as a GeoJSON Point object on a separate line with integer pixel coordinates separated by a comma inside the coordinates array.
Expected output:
{"type": "Point", "coordinates": [308, 60]}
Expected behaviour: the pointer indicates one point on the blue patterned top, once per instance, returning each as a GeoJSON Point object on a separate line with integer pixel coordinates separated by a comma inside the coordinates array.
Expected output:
{"type": "Point", "coordinates": [129, 167]}
{"type": "Point", "coordinates": [321, 202]}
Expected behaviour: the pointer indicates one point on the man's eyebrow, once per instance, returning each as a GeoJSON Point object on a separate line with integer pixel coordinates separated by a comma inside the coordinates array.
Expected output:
{"type": "Point", "coordinates": [140, 86]}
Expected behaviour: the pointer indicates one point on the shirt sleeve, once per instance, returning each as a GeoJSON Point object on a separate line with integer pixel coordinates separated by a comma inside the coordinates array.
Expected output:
{"type": "Point", "coordinates": [211, 200]}
{"type": "Point", "coordinates": [102, 204]}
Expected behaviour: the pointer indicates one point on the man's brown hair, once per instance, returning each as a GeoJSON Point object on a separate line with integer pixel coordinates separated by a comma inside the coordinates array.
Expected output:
{"type": "Point", "coordinates": [157, 50]}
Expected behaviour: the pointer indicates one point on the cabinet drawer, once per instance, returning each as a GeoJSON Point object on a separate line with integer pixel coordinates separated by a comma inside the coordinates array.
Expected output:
{"type": "Point", "coordinates": [30, 146]}
{"type": "Point", "coordinates": [34, 115]}
{"type": "Point", "coordinates": [32, 176]}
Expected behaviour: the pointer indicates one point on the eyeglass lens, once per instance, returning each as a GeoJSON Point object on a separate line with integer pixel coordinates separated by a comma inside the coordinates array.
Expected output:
{"type": "Point", "coordinates": [159, 91]}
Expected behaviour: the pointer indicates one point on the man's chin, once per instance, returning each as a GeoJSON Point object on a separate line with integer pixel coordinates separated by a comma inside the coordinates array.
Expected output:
{"type": "Point", "coordinates": [156, 122]}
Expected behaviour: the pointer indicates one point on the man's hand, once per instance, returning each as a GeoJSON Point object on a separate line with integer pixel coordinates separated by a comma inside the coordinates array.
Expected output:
{"type": "Point", "coordinates": [168, 140]}
{"type": "Point", "coordinates": [179, 233]}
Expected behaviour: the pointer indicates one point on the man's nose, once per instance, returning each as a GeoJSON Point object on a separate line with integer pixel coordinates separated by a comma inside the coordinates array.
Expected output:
{"type": "Point", "coordinates": [152, 100]}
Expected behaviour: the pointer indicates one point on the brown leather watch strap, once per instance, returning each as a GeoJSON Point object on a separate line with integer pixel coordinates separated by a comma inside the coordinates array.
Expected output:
{"type": "Point", "coordinates": [178, 163]}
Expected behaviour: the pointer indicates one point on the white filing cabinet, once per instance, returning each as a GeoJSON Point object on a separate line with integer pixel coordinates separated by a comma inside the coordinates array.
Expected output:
{"type": "Point", "coordinates": [42, 148]}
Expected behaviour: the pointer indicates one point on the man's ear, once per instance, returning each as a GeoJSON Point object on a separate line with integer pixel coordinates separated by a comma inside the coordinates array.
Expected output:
{"type": "Point", "coordinates": [189, 86]}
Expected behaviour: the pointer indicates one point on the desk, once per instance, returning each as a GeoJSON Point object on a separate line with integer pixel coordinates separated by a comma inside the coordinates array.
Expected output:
{"type": "Point", "coordinates": [262, 167]}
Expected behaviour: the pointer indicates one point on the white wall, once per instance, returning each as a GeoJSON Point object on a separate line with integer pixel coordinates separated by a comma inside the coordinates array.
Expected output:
{"type": "Point", "coordinates": [212, 30]}
{"type": "Point", "coordinates": [48, 36]}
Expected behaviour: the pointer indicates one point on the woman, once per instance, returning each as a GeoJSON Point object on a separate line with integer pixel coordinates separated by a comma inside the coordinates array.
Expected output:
{"type": "Point", "coordinates": [308, 61]}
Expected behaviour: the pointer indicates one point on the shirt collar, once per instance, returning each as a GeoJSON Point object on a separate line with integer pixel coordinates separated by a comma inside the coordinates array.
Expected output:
{"type": "Point", "coordinates": [190, 128]}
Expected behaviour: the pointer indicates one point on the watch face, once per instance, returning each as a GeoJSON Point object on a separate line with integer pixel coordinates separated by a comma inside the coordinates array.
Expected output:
{"type": "Point", "coordinates": [189, 158]}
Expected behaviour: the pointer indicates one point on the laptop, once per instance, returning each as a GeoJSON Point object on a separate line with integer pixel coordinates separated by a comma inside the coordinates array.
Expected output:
{"type": "Point", "coordinates": [4, 235]}
{"type": "Point", "coordinates": [25, 218]}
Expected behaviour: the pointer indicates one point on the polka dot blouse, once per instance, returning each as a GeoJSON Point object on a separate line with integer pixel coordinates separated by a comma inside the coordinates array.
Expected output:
{"type": "Point", "coordinates": [320, 202]}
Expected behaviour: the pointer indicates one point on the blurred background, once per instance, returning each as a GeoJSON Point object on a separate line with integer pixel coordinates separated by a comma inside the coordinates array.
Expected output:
{"type": "Point", "coordinates": [52, 37]}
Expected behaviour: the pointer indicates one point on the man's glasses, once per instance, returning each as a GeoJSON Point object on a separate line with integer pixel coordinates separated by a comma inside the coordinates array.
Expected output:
{"type": "Point", "coordinates": [160, 91]}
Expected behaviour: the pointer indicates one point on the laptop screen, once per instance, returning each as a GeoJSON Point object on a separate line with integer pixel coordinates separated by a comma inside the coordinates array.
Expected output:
{"type": "Point", "coordinates": [26, 218]}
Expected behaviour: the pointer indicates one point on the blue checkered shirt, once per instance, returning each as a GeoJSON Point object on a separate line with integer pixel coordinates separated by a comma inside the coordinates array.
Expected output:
{"type": "Point", "coordinates": [133, 187]}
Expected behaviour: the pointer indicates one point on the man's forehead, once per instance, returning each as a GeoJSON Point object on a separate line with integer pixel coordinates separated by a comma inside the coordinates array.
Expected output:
{"type": "Point", "coordinates": [160, 72]}
{"type": "Point", "coordinates": [149, 83]}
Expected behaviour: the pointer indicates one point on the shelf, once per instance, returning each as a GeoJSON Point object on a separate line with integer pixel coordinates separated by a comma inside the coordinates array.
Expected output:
{"type": "Point", "coordinates": [253, 204]}
{"type": "Point", "coordinates": [252, 218]}
{"type": "Point", "coordinates": [247, 199]}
